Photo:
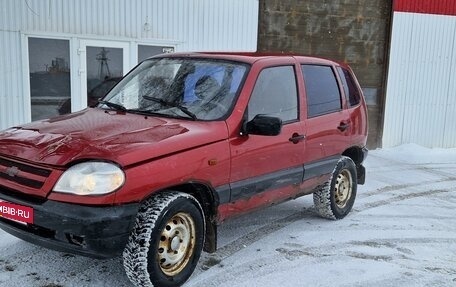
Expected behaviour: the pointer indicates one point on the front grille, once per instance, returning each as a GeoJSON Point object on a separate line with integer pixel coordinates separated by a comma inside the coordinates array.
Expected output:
{"type": "Point", "coordinates": [23, 197]}
{"type": "Point", "coordinates": [22, 173]}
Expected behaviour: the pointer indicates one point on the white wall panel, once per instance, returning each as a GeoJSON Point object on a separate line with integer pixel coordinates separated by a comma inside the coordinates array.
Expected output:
{"type": "Point", "coordinates": [198, 24]}
{"type": "Point", "coordinates": [449, 138]}
{"type": "Point", "coordinates": [189, 25]}
{"type": "Point", "coordinates": [420, 101]}
{"type": "Point", "coordinates": [11, 96]}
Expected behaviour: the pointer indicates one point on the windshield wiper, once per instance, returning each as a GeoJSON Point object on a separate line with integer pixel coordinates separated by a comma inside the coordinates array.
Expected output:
{"type": "Point", "coordinates": [172, 105]}
{"type": "Point", "coordinates": [113, 106]}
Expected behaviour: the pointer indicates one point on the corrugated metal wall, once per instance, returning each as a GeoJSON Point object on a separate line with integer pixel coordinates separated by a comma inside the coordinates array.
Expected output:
{"type": "Point", "coordinates": [188, 24]}
{"type": "Point", "coordinates": [421, 94]}
{"type": "Point", "coordinates": [197, 24]}
{"type": "Point", "coordinates": [11, 99]}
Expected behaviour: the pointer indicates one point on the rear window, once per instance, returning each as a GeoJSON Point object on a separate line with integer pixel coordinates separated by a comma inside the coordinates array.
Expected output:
{"type": "Point", "coordinates": [323, 95]}
{"type": "Point", "coordinates": [350, 89]}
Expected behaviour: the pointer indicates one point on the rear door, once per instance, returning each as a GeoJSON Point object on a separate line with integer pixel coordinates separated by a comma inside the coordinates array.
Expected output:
{"type": "Point", "coordinates": [328, 122]}
{"type": "Point", "coordinates": [266, 169]}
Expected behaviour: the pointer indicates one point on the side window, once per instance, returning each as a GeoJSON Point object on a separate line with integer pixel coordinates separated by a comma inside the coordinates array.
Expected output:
{"type": "Point", "coordinates": [275, 94]}
{"type": "Point", "coordinates": [351, 91]}
{"type": "Point", "coordinates": [323, 95]}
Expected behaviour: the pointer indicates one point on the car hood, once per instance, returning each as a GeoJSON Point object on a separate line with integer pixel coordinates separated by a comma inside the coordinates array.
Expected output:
{"type": "Point", "coordinates": [104, 134]}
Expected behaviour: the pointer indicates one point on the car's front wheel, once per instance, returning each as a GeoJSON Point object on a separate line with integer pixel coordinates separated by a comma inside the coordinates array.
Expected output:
{"type": "Point", "coordinates": [165, 245]}
{"type": "Point", "coordinates": [335, 199]}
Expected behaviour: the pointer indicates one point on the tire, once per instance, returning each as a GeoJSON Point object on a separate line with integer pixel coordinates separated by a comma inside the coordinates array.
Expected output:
{"type": "Point", "coordinates": [166, 242]}
{"type": "Point", "coordinates": [335, 198]}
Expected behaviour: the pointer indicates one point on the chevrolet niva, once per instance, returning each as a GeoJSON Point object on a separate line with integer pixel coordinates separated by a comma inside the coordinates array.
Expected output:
{"type": "Point", "coordinates": [181, 143]}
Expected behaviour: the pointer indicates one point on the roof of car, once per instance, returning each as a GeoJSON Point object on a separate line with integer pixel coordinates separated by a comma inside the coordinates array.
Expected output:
{"type": "Point", "coordinates": [251, 57]}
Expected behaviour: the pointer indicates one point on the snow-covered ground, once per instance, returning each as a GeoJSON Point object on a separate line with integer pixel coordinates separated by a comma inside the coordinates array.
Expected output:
{"type": "Point", "coordinates": [402, 232]}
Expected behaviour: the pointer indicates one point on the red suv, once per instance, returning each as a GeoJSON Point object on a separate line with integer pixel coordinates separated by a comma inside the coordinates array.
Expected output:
{"type": "Point", "coordinates": [180, 144]}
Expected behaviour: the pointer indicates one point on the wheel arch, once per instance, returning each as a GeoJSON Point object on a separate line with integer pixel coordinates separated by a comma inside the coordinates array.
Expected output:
{"type": "Point", "coordinates": [357, 155]}
{"type": "Point", "coordinates": [208, 198]}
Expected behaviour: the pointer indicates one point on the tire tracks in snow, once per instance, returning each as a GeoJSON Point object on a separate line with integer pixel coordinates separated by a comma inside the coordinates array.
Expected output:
{"type": "Point", "coordinates": [391, 188]}
{"type": "Point", "coordinates": [282, 261]}
{"type": "Point", "coordinates": [250, 238]}
{"type": "Point", "coordinates": [399, 198]}
{"type": "Point", "coordinates": [254, 236]}
{"type": "Point", "coordinates": [230, 249]}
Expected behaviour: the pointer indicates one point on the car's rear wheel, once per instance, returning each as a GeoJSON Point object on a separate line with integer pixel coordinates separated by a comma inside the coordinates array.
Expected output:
{"type": "Point", "coordinates": [165, 245]}
{"type": "Point", "coordinates": [335, 199]}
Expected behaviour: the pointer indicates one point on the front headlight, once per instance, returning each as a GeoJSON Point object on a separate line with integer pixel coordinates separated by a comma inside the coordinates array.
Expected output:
{"type": "Point", "coordinates": [91, 178]}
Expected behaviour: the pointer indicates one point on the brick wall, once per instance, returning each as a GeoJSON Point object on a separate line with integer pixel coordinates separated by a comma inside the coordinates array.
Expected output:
{"type": "Point", "coordinates": [354, 31]}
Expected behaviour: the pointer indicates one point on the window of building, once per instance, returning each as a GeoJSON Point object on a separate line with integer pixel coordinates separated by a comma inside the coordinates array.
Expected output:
{"type": "Point", "coordinates": [275, 94]}
{"type": "Point", "coordinates": [49, 74]}
{"type": "Point", "coordinates": [350, 89]}
{"type": "Point", "coordinates": [104, 69]}
{"type": "Point", "coordinates": [323, 95]}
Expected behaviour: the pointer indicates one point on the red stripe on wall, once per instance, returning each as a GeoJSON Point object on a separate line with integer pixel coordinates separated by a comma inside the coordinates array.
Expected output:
{"type": "Point", "coordinates": [441, 7]}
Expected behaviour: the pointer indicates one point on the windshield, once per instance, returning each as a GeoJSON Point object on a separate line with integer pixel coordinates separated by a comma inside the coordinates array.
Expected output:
{"type": "Point", "coordinates": [200, 89]}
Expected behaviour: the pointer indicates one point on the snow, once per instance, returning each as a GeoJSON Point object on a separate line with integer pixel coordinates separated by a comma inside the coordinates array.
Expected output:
{"type": "Point", "coordinates": [402, 232]}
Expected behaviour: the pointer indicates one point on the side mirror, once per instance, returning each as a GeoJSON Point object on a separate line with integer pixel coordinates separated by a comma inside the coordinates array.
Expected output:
{"type": "Point", "coordinates": [263, 125]}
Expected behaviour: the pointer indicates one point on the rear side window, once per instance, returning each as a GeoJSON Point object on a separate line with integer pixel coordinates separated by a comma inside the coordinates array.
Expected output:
{"type": "Point", "coordinates": [351, 91]}
{"type": "Point", "coordinates": [323, 95]}
{"type": "Point", "coordinates": [275, 94]}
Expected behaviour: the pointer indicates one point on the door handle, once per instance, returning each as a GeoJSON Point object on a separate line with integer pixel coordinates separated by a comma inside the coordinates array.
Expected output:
{"type": "Point", "coordinates": [343, 126]}
{"type": "Point", "coordinates": [295, 138]}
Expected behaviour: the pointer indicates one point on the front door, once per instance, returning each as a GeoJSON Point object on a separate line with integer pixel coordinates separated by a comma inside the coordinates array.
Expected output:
{"type": "Point", "coordinates": [268, 169]}
{"type": "Point", "coordinates": [102, 65]}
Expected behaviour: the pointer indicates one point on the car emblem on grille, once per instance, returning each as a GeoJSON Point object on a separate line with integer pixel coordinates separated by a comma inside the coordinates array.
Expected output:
{"type": "Point", "coordinates": [12, 171]}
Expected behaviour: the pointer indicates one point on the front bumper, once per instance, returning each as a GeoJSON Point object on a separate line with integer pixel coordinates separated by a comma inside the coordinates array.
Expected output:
{"type": "Point", "coordinates": [99, 232]}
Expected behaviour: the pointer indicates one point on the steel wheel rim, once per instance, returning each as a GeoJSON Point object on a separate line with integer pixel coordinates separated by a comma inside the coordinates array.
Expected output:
{"type": "Point", "coordinates": [177, 244]}
{"type": "Point", "coordinates": [343, 188]}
